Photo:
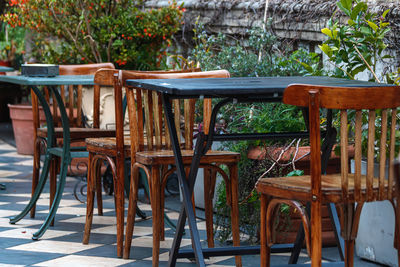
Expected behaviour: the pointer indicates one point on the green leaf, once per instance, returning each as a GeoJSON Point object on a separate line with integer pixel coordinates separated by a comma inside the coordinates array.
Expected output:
{"type": "Point", "coordinates": [307, 67]}
{"type": "Point", "coordinates": [345, 11]}
{"type": "Point", "coordinates": [327, 32]}
{"type": "Point", "coordinates": [295, 173]}
{"type": "Point", "coordinates": [347, 4]}
{"type": "Point", "coordinates": [373, 25]}
{"type": "Point", "coordinates": [357, 9]}
{"type": "Point", "coordinates": [351, 22]}
{"type": "Point", "coordinates": [385, 13]}
{"type": "Point", "coordinates": [326, 49]}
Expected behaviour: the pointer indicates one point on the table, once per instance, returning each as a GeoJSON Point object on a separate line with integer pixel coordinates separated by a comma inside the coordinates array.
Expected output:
{"type": "Point", "coordinates": [231, 90]}
{"type": "Point", "coordinates": [6, 69]}
{"type": "Point", "coordinates": [51, 149]}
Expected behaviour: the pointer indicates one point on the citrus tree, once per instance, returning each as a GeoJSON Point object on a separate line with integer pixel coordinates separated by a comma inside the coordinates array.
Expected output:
{"type": "Point", "coordinates": [83, 31]}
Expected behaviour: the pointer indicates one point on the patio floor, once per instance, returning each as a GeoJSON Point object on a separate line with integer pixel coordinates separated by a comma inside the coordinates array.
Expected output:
{"type": "Point", "coordinates": [62, 244]}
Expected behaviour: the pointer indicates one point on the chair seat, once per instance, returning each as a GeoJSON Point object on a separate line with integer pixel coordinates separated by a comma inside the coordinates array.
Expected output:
{"type": "Point", "coordinates": [107, 145]}
{"type": "Point", "coordinates": [299, 187]}
{"type": "Point", "coordinates": [167, 157]}
{"type": "Point", "coordinates": [77, 133]}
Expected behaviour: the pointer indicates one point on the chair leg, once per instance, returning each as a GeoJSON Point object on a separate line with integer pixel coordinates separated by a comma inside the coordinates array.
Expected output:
{"type": "Point", "coordinates": [233, 173]}
{"type": "Point", "coordinates": [53, 181]}
{"type": "Point", "coordinates": [208, 209]}
{"type": "Point", "coordinates": [130, 223]}
{"type": "Point", "coordinates": [99, 198]}
{"type": "Point", "coordinates": [162, 205]}
{"type": "Point", "coordinates": [155, 207]}
{"type": "Point", "coordinates": [316, 234]}
{"type": "Point", "coordinates": [89, 199]}
{"type": "Point", "coordinates": [349, 253]}
{"type": "Point", "coordinates": [265, 250]}
{"type": "Point", "coordinates": [35, 171]}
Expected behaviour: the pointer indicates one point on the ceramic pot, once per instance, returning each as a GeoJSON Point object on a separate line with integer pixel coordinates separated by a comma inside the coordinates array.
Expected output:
{"type": "Point", "coordinates": [22, 122]}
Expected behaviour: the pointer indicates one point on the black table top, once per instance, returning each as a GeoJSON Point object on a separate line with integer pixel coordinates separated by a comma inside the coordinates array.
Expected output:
{"type": "Point", "coordinates": [239, 87]}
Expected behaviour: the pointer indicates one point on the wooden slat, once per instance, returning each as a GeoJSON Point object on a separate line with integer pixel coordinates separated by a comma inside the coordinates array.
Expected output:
{"type": "Point", "coordinates": [79, 105]}
{"type": "Point", "coordinates": [343, 153]}
{"type": "Point", "coordinates": [139, 104]}
{"type": "Point", "coordinates": [133, 123]}
{"type": "Point", "coordinates": [157, 119]}
{"type": "Point", "coordinates": [35, 113]}
{"type": "Point", "coordinates": [189, 107]}
{"type": "Point", "coordinates": [345, 98]}
{"type": "Point", "coordinates": [370, 153]}
{"type": "Point", "coordinates": [392, 151]}
{"type": "Point", "coordinates": [382, 154]}
{"type": "Point", "coordinates": [358, 156]}
{"type": "Point", "coordinates": [168, 144]}
{"type": "Point", "coordinates": [71, 104]}
{"type": "Point", "coordinates": [96, 106]}
{"type": "Point", "coordinates": [207, 110]}
{"type": "Point", "coordinates": [177, 117]}
{"type": "Point", "coordinates": [46, 94]}
{"type": "Point", "coordinates": [148, 118]}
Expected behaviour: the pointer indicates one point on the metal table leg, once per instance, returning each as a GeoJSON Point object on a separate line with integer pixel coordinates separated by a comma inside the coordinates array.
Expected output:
{"type": "Point", "coordinates": [187, 189]}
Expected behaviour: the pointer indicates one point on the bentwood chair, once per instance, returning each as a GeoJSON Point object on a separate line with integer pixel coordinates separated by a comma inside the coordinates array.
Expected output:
{"type": "Point", "coordinates": [151, 151]}
{"type": "Point", "coordinates": [114, 150]}
{"type": "Point", "coordinates": [68, 115]}
{"type": "Point", "coordinates": [349, 191]}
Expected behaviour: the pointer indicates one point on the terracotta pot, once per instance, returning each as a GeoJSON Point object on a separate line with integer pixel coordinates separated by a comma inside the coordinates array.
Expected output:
{"type": "Point", "coordinates": [22, 122]}
{"type": "Point", "coordinates": [287, 228]}
{"type": "Point", "coordinates": [5, 64]}
{"type": "Point", "coordinates": [258, 153]}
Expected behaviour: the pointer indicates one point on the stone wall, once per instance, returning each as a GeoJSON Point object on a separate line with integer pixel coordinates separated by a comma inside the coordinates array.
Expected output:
{"type": "Point", "coordinates": [300, 20]}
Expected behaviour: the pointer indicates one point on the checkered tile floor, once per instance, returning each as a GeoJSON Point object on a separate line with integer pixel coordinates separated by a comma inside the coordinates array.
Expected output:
{"type": "Point", "coordinates": [62, 244]}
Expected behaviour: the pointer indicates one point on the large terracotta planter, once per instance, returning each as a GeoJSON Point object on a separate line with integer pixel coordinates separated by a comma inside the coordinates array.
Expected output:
{"type": "Point", "coordinates": [22, 122]}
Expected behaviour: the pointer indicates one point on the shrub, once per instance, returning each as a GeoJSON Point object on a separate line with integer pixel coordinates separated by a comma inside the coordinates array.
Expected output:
{"type": "Point", "coordinates": [260, 55]}
{"type": "Point", "coordinates": [78, 31]}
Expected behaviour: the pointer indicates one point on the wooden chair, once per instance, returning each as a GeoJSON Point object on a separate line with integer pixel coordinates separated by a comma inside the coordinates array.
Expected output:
{"type": "Point", "coordinates": [114, 150]}
{"type": "Point", "coordinates": [348, 191]}
{"type": "Point", "coordinates": [151, 151]}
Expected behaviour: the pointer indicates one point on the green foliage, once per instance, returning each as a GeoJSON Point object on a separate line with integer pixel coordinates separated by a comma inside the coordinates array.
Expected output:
{"type": "Point", "coordinates": [12, 45]}
{"type": "Point", "coordinates": [262, 54]}
{"type": "Point", "coordinates": [83, 31]}
{"type": "Point", "coordinates": [356, 46]}
{"type": "Point", "coordinates": [359, 43]}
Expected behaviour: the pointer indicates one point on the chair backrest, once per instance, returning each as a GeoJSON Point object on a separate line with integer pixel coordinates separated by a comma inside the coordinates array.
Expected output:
{"type": "Point", "coordinates": [362, 109]}
{"type": "Point", "coordinates": [154, 134]}
{"type": "Point", "coordinates": [72, 96]}
{"type": "Point", "coordinates": [109, 77]}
